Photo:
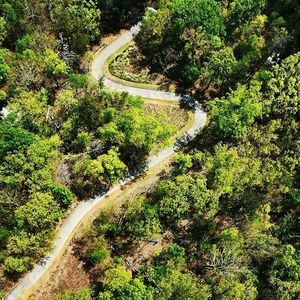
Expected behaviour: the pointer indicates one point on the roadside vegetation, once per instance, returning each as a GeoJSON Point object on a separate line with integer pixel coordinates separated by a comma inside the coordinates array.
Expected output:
{"type": "Point", "coordinates": [225, 223]}
{"type": "Point", "coordinates": [64, 138]}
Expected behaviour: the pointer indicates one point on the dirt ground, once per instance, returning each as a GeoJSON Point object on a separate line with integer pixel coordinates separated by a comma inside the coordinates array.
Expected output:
{"type": "Point", "coordinates": [70, 275]}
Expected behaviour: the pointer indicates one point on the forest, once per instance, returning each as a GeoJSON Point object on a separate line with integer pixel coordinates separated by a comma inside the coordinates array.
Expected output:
{"type": "Point", "coordinates": [224, 222]}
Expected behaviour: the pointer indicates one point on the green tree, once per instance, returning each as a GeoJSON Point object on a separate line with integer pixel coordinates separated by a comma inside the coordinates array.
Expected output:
{"type": "Point", "coordinates": [78, 81]}
{"type": "Point", "coordinates": [28, 70]}
{"type": "Point", "coordinates": [142, 219]}
{"type": "Point", "coordinates": [112, 165]}
{"type": "Point", "coordinates": [286, 265]}
{"type": "Point", "coordinates": [54, 66]}
{"type": "Point", "coordinates": [220, 67]}
{"type": "Point", "coordinates": [283, 91]}
{"type": "Point", "coordinates": [241, 11]}
{"type": "Point", "coordinates": [193, 14]}
{"type": "Point", "coordinates": [4, 67]}
{"type": "Point", "coordinates": [65, 104]}
{"type": "Point", "coordinates": [118, 284]}
{"type": "Point", "coordinates": [98, 255]}
{"type": "Point", "coordinates": [13, 138]}
{"type": "Point", "coordinates": [24, 43]}
{"type": "Point", "coordinates": [81, 141]}
{"type": "Point", "coordinates": [231, 287]}
{"type": "Point", "coordinates": [40, 212]}
{"type": "Point", "coordinates": [172, 257]}
{"type": "Point", "coordinates": [16, 265]}
{"type": "Point", "coordinates": [31, 109]}
{"type": "Point", "coordinates": [179, 286]}
{"type": "Point", "coordinates": [62, 194]}
{"type": "Point", "coordinates": [235, 113]}
{"type": "Point", "coordinates": [180, 35]}
{"type": "Point", "coordinates": [78, 21]}
{"type": "Point", "coordinates": [24, 244]}
{"type": "Point", "coordinates": [182, 163]}
{"type": "Point", "coordinates": [3, 31]}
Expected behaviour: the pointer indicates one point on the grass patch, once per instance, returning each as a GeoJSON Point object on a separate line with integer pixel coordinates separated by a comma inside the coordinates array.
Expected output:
{"type": "Point", "coordinates": [180, 119]}
{"type": "Point", "coordinates": [174, 115]}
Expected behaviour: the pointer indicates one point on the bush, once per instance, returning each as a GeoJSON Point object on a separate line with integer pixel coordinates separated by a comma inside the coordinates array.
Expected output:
{"type": "Point", "coordinates": [99, 255]}
{"type": "Point", "coordinates": [81, 294]}
{"type": "Point", "coordinates": [16, 265]}
{"type": "Point", "coordinates": [182, 163]}
{"type": "Point", "coordinates": [4, 234]}
{"type": "Point", "coordinates": [62, 194]}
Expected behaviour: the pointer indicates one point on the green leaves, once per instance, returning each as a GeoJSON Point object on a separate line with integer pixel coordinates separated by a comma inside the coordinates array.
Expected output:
{"type": "Point", "coordinates": [16, 265]}
{"type": "Point", "coordinates": [54, 65]}
{"type": "Point", "coordinates": [77, 21]}
{"type": "Point", "coordinates": [4, 67]}
{"type": "Point", "coordinates": [235, 113]}
{"type": "Point", "coordinates": [118, 284]}
{"type": "Point", "coordinates": [98, 255]}
{"type": "Point", "coordinates": [179, 286]}
{"type": "Point", "coordinates": [3, 31]}
{"type": "Point", "coordinates": [283, 90]}
{"type": "Point", "coordinates": [31, 109]}
{"type": "Point", "coordinates": [104, 171]}
{"type": "Point", "coordinates": [241, 11]}
{"type": "Point", "coordinates": [113, 167]}
{"type": "Point", "coordinates": [40, 212]}
{"type": "Point", "coordinates": [142, 219]}
{"type": "Point", "coordinates": [193, 14]}
{"type": "Point", "coordinates": [286, 265]}
{"type": "Point", "coordinates": [13, 138]}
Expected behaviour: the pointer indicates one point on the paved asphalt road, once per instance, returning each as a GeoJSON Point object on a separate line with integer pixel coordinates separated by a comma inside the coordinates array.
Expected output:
{"type": "Point", "coordinates": [69, 227]}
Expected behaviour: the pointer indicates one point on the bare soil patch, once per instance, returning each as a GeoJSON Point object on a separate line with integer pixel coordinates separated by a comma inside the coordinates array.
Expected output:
{"type": "Point", "coordinates": [69, 275]}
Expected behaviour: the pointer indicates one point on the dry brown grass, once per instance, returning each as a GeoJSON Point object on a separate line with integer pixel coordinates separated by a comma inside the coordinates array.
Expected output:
{"type": "Point", "coordinates": [175, 115]}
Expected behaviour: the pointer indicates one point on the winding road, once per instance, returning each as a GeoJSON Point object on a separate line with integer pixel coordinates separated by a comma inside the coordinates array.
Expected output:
{"type": "Point", "coordinates": [68, 229]}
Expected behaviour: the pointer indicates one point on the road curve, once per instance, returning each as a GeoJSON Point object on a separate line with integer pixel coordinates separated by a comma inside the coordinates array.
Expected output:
{"type": "Point", "coordinates": [70, 225]}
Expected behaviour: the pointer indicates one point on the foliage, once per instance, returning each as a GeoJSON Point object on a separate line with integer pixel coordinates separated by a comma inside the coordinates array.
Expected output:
{"type": "Point", "coordinates": [19, 265]}
{"type": "Point", "coordinates": [77, 21]}
{"type": "Point", "coordinates": [4, 67]}
{"type": "Point", "coordinates": [287, 265]}
{"type": "Point", "coordinates": [118, 284]}
{"type": "Point", "coordinates": [240, 11]}
{"type": "Point", "coordinates": [98, 255]}
{"type": "Point", "coordinates": [54, 65]}
{"type": "Point", "coordinates": [40, 212]}
{"type": "Point", "coordinates": [80, 294]}
{"type": "Point", "coordinates": [31, 109]}
{"type": "Point", "coordinates": [142, 219]}
{"type": "Point", "coordinates": [13, 137]}
{"type": "Point", "coordinates": [235, 113]}
{"type": "Point", "coordinates": [224, 224]}
{"type": "Point", "coordinates": [179, 285]}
